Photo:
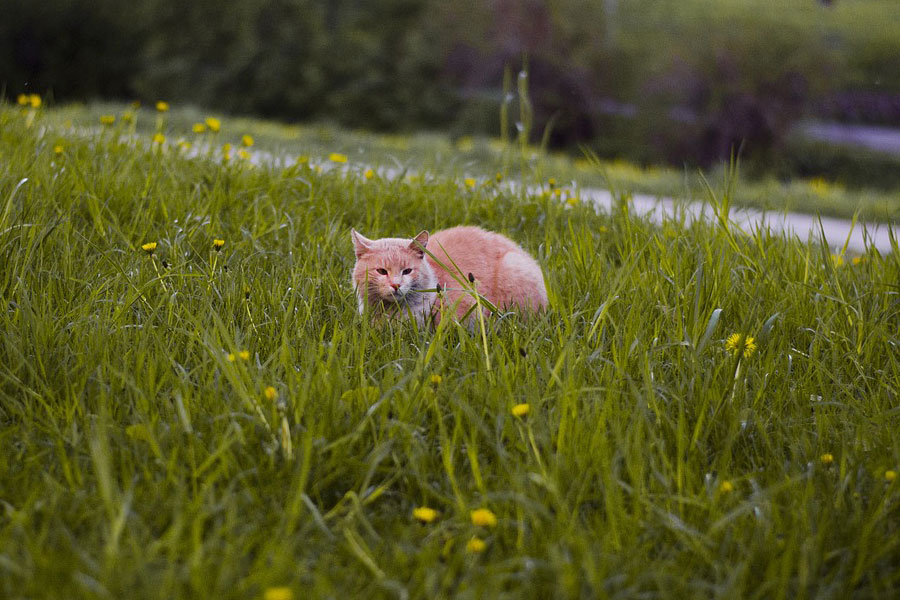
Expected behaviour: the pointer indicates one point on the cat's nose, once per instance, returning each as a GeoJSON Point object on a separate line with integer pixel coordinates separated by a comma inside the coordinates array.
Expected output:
{"type": "Point", "coordinates": [396, 286]}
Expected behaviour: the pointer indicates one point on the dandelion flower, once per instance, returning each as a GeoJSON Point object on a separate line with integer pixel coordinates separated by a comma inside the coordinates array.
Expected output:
{"type": "Point", "coordinates": [243, 154]}
{"type": "Point", "coordinates": [858, 260]}
{"type": "Point", "coordinates": [551, 182]}
{"type": "Point", "coordinates": [425, 514]}
{"type": "Point", "coordinates": [734, 344]}
{"type": "Point", "coordinates": [34, 100]}
{"type": "Point", "coordinates": [436, 379]}
{"type": "Point", "coordinates": [476, 545]}
{"type": "Point", "coordinates": [338, 158]}
{"type": "Point", "coordinates": [245, 355]}
{"type": "Point", "coordinates": [369, 174]}
{"type": "Point", "coordinates": [483, 517]}
{"type": "Point", "coordinates": [520, 410]}
{"type": "Point", "coordinates": [837, 260]}
{"type": "Point", "coordinates": [890, 475]}
{"type": "Point", "coordinates": [162, 106]}
{"type": "Point", "coordinates": [231, 357]}
{"type": "Point", "coordinates": [199, 128]}
{"type": "Point", "coordinates": [470, 182]}
{"type": "Point", "coordinates": [217, 244]}
{"type": "Point", "coordinates": [128, 117]}
{"type": "Point", "coordinates": [278, 593]}
{"type": "Point", "coordinates": [159, 138]}
{"type": "Point", "coordinates": [271, 393]}
{"type": "Point", "coordinates": [827, 458]}
{"type": "Point", "coordinates": [107, 119]}
{"type": "Point", "coordinates": [247, 140]}
{"type": "Point", "coordinates": [726, 487]}
{"type": "Point", "coordinates": [22, 100]}
{"type": "Point", "coordinates": [149, 247]}
{"type": "Point", "coordinates": [57, 149]}
{"type": "Point", "coordinates": [213, 124]}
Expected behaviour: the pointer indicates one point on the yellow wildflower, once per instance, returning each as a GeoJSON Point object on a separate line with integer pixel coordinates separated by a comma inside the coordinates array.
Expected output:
{"type": "Point", "coordinates": [338, 158]}
{"type": "Point", "coordinates": [107, 119]}
{"type": "Point", "coordinates": [837, 260]}
{"type": "Point", "coordinates": [483, 517]}
{"type": "Point", "coordinates": [247, 140]}
{"type": "Point", "coordinates": [34, 100]}
{"type": "Point", "coordinates": [199, 128]}
{"type": "Point", "coordinates": [231, 357]}
{"type": "Point", "coordinates": [425, 514]}
{"type": "Point", "coordinates": [551, 182]}
{"type": "Point", "coordinates": [858, 260]}
{"type": "Point", "coordinates": [827, 458]}
{"type": "Point", "coordinates": [734, 346]}
{"type": "Point", "coordinates": [162, 106]}
{"type": "Point", "coordinates": [369, 174]}
{"type": "Point", "coordinates": [890, 475]}
{"type": "Point", "coordinates": [149, 247]}
{"type": "Point", "coordinates": [128, 117]}
{"type": "Point", "coordinates": [469, 181]}
{"type": "Point", "coordinates": [271, 393]}
{"type": "Point", "coordinates": [520, 410]}
{"type": "Point", "coordinates": [476, 545]}
{"type": "Point", "coordinates": [498, 177]}
{"type": "Point", "coordinates": [245, 355]}
{"type": "Point", "coordinates": [159, 138]}
{"type": "Point", "coordinates": [58, 149]}
{"type": "Point", "coordinates": [278, 593]}
{"type": "Point", "coordinates": [243, 154]}
{"type": "Point", "coordinates": [436, 379]}
{"type": "Point", "coordinates": [217, 244]}
{"type": "Point", "coordinates": [726, 487]}
{"type": "Point", "coordinates": [213, 124]}
{"type": "Point", "coordinates": [22, 100]}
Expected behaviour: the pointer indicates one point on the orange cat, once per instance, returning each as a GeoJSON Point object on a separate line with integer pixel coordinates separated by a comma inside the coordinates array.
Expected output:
{"type": "Point", "coordinates": [394, 276]}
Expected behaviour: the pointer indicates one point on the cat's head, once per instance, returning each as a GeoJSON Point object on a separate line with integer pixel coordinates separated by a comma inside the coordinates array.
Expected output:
{"type": "Point", "coordinates": [390, 269]}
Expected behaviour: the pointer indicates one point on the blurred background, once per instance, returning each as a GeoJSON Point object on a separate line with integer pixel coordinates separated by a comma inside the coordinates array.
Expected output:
{"type": "Point", "coordinates": [804, 87]}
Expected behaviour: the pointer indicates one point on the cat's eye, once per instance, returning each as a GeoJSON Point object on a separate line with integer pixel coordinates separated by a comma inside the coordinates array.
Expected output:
{"type": "Point", "coordinates": [407, 271]}
{"type": "Point", "coordinates": [382, 271]}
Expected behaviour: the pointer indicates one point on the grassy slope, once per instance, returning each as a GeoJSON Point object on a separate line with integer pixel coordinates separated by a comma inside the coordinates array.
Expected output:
{"type": "Point", "coordinates": [137, 461]}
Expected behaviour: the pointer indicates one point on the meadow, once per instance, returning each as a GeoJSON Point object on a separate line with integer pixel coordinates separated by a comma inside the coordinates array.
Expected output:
{"type": "Point", "coordinates": [191, 406]}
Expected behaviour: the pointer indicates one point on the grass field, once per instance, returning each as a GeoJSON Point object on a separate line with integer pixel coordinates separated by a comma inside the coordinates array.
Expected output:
{"type": "Point", "coordinates": [182, 422]}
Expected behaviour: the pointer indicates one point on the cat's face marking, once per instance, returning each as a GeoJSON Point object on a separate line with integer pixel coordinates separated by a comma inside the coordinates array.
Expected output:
{"type": "Point", "coordinates": [389, 270]}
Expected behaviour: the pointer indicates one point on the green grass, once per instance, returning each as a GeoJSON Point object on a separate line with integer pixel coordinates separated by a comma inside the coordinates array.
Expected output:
{"type": "Point", "coordinates": [138, 461]}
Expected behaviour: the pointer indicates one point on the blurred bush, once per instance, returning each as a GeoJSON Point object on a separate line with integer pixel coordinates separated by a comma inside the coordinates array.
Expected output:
{"type": "Point", "coordinates": [683, 81]}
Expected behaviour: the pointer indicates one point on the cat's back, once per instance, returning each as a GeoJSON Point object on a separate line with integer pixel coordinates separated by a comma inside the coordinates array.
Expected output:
{"type": "Point", "coordinates": [468, 242]}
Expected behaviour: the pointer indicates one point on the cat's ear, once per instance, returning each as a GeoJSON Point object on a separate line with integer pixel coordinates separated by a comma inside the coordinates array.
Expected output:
{"type": "Point", "coordinates": [361, 244]}
{"type": "Point", "coordinates": [418, 244]}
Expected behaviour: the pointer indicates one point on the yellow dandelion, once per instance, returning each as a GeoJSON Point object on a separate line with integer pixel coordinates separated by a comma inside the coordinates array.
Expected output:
{"type": "Point", "coordinates": [247, 140]}
{"type": "Point", "coordinates": [470, 182]}
{"type": "Point", "coordinates": [857, 260]}
{"type": "Point", "coordinates": [520, 410]}
{"type": "Point", "coordinates": [245, 355]}
{"type": "Point", "coordinates": [436, 379]}
{"type": "Point", "coordinates": [231, 357]}
{"type": "Point", "coordinates": [572, 201]}
{"type": "Point", "coordinates": [837, 260]}
{"type": "Point", "coordinates": [22, 100]}
{"type": "Point", "coordinates": [425, 514]}
{"type": "Point", "coordinates": [162, 106]}
{"type": "Point", "coordinates": [369, 174]}
{"type": "Point", "coordinates": [226, 148]}
{"type": "Point", "coordinates": [734, 344]}
{"type": "Point", "coordinates": [34, 100]}
{"type": "Point", "coordinates": [213, 124]}
{"type": "Point", "coordinates": [184, 145]}
{"type": "Point", "coordinates": [551, 182]}
{"type": "Point", "coordinates": [726, 487]}
{"type": "Point", "coordinates": [107, 119]}
{"type": "Point", "coordinates": [58, 149]}
{"type": "Point", "coordinates": [483, 517]}
{"type": "Point", "coordinates": [217, 244]}
{"type": "Point", "coordinates": [159, 138]}
{"type": "Point", "coordinates": [890, 475]}
{"type": "Point", "coordinates": [149, 247]}
{"type": "Point", "coordinates": [271, 393]}
{"type": "Point", "coordinates": [338, 158]}
{"type": "Point", "coordinates": [243, 154]}
{"type": "Point", "coordinates": [476, 545]}
{"type": "Point", "coordinates": [198, 128]}
{"type": "Point", "coordinates": [827, 458]}
{"type": "Point", "coordinates": [128, 117]}
{"type": "Point", "coordinates": [278, 593]}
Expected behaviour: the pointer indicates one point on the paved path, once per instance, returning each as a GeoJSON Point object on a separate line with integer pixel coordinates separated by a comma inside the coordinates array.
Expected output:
{"type": "Point", "coordinates": [804, 226]}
